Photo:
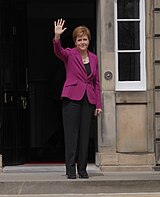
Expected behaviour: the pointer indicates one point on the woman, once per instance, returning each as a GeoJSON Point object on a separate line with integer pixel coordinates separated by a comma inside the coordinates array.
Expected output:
{"type": "Point", "coordinates": [80, 96]}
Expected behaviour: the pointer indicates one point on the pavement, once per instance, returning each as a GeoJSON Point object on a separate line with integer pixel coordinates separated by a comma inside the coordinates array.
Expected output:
{"type": "Point", "coordinates": [50, 181]}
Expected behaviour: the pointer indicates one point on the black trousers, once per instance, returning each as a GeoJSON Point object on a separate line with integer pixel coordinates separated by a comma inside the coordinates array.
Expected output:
{"type": "Point", "coordinates": [77, 116]}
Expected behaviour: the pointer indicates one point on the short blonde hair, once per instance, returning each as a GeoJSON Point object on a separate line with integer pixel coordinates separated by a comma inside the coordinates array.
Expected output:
{"type": "Point", "coordinates": [81, 31]}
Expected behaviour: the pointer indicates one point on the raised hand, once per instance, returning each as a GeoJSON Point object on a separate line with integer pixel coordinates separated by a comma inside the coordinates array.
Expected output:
{"type": "Point", "coordinates": [58, 27]}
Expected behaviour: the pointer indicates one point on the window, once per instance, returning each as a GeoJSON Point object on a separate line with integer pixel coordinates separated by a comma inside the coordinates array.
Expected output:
{"type": "Point", "coordinates": [130, 45]}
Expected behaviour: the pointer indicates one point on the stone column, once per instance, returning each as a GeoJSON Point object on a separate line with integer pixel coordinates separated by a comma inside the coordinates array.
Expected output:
{"type": "Point", "coordinates": [105, 49]}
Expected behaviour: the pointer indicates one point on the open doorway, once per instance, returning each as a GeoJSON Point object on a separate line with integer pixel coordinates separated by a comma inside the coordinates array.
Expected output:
{"type": "Point", "coordinates": [47, 74]}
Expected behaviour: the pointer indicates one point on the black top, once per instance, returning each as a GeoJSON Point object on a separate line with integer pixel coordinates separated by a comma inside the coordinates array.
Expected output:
{"type": "Point", "coordinates": [88, 69]}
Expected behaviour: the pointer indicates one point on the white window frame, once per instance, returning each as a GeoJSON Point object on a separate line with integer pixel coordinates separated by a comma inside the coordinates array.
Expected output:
{"type": "Point", "coordinates": [132, 85]}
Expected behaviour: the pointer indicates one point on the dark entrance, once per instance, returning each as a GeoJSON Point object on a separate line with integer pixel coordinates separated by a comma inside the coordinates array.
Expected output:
{"type": "Point", "coordinates": [14, 138]}
{"type": "Point", "coordinates": [42, 76]}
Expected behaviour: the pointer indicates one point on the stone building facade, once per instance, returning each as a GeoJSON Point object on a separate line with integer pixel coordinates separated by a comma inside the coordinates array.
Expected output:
{"type": "Point", "coordinates": [129, 127]}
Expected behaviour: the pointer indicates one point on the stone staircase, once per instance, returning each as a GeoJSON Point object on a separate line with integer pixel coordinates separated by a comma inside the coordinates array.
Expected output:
{"type": "Point", "coordinates": [50, 180]}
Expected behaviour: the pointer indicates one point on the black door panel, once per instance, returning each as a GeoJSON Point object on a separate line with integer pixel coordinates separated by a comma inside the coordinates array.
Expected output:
{"type": "Point", "coordinates": [14, 95]}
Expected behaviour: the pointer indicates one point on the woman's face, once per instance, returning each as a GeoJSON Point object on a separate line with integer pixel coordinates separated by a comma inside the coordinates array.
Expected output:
{"type": "Point", "coordinates": [82, 43]}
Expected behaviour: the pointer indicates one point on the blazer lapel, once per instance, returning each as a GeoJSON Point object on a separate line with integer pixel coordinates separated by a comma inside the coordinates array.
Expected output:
{"type": "Point", "coordinates": [79, 59]}
{"type": "Point", "coordinates": [91, 61]}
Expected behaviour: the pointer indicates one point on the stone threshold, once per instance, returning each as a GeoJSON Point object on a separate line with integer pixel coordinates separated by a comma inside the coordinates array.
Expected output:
{"type": "Point", "coordinates": [91, 195]}
{"type": "Point", "coordinates": [44, 180]}
{"type": "Point", "coordinates": [78, 187]}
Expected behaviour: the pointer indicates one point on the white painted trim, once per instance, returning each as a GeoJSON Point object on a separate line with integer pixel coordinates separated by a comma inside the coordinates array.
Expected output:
{"type": "Point", "coordinates": [132, 85]}
{"type": "Point", "coordinates": [128, 20]}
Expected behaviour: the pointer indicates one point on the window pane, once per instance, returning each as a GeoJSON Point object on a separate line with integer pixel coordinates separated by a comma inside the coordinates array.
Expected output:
{"type": "Point", "coordinates": [128, 36]}
{"type": "Point", "coordinates": [129, 66]}
{"type": "Point", "coordinates": [128, 9]}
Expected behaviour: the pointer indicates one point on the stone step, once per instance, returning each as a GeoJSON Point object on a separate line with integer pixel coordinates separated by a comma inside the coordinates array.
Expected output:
{"type": "Point", "coordinates": [90, 195]}
{"type": "Point", "coordinates": [40, 181]}
{"type": "Point", "coordinates": [78, 187]}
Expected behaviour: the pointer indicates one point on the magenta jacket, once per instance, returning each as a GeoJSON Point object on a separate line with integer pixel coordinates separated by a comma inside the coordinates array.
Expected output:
{"type": "Point", "coordinates": [77, 81]}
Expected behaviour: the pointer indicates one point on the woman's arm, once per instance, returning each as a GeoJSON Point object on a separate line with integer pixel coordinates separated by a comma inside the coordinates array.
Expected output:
{"type": "Point", "coordinates": [58, 49]}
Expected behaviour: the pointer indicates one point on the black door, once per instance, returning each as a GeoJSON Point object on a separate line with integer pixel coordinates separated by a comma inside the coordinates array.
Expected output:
{"type": "Point", "coordinates": [31, 128]}
{"type": "Point", "coordinates": [47, 73]}
{"type": "Point", "coordinates": [14, 93]}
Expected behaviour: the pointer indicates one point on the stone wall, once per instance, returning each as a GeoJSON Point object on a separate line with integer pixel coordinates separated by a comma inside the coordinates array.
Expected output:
{"type": "Point", "coordinates": [157, 77]}
{"type": "Point", "coordinates": [126, 126]}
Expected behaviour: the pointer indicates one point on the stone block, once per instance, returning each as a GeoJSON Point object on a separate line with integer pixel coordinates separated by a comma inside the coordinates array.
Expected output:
{"type": "Point", "coordinates": [157, 126]}
{"type": "Point", "coordinates": [107, 27]}
{"type": "Point", "coordinates": [142, 168]}
{"type": "Point", "coordinates": [157, 101]}
{"type": "Point", "coordinates": [149, 17]}
{"type": "Point", "coordinates": [127, 162]}
{"type": "Point", "coordinates": [131, 97]}
{"type": "Point", "coordinates": [156, 23]}
{"type": "Point", "coordinates": [151, 159]}
{"type": "Point", "coordinates": [107, 134]}
{"type": "Point", "coordinates": [108, 159]}
{"type": "Point", "coordinates": [108, 64]}
{"type": "Point", "coordinates": [149, 56]}
{"type": "Point", "coordinates": [157, 152]}
{"type": "Point", "coordinates": [157, 74]}
{"type": "Point", "coordinates": [126, 159]}
{"type": "Point", "coordinates": [157, 4]}
{"type": "Point", "coordinates": [157, 48]}
{"type": "Point", "coordinates": [132, 128]}
{"type": "Point", "coordinates": [136, 159]}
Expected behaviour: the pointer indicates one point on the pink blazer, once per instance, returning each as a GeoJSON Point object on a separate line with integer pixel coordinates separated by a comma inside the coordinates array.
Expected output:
{"type": "Point", "coordinates": [77, 81]}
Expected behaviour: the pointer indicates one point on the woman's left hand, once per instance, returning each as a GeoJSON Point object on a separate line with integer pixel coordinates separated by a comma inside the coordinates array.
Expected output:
{"type": "Point", "coordinates": [97, 111]}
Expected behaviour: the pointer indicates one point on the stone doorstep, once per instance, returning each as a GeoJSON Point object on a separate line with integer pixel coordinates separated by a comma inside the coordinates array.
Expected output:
{"type": "Point", "coordinates": [79, 187]}
{"type": "Point", "coordinates": [90, 195]}
{"type": "Point", "coordinates": [52, 180]}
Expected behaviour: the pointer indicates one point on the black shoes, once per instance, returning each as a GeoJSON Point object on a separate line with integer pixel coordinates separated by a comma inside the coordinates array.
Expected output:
{"type": "Point", "coordinates": [71, 173]}
{"type": "Point", "coordinates": [83, 175]}
{"type": "Point", "coordinates": [71, 176]}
